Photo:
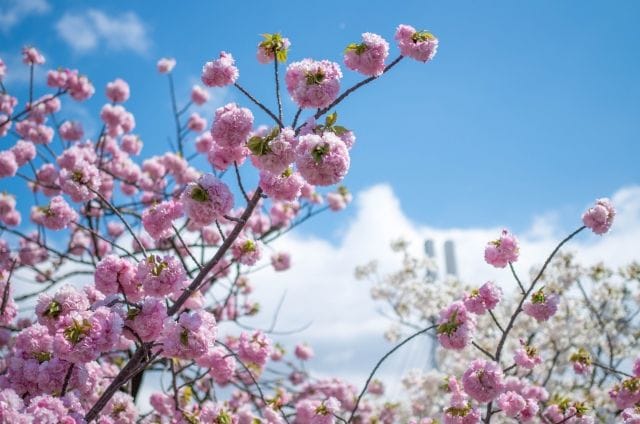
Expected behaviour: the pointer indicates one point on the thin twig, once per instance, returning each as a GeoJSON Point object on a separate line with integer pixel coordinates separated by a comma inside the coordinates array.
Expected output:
{"type": "Point", "coordinates": [277, 78]}
{"type": "Point", "coordinates": [386, 355]}
{"type": "Point", "coordinates": [515, 275]}
{"type": "Point", "coordinates": [7, 288]}
{"type": "Point", "coordinates": [260, 105]}
{"type": "Point", "coordinates": [244, 193]}
{"type": "Point", "coordinates": [67, 378]}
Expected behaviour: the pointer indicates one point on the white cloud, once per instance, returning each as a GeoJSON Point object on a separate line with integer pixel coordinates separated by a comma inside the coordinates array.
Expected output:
{"type": "Point", "coordinates": [92, 29]}
{"type": "Point", "coordinates": [347, 328]}
{"type": "Point", "coordinates": [14, 11]}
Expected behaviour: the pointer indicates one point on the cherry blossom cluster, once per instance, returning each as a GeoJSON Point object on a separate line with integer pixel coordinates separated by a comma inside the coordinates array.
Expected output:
{"type": "Point", "coordinates": [129, 264]}
{"type": "Point", "coordinates": [558, 348]}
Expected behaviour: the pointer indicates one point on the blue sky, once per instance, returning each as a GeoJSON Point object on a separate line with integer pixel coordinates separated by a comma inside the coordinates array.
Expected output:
{"type": "Point", "coordinates": [528, 107]}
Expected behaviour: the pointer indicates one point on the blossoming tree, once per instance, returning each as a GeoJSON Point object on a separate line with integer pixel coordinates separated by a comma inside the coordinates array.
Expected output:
{"type": "Point", "coordinates": [559, 348]}
{"type": "Point", "coordinates": [137, 262]}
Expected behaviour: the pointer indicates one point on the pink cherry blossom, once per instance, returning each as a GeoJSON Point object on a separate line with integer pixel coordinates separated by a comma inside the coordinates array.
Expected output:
{"type": "Point", "coordinates": [8, 164]}
{"type": "Point", "coordinates": [207, 199]}
{"type": "Point", "coordinates": [166, 65]}
{"type": "Point", "coordinates": [199, 95]}
{"type": "Point", "coordinates": [231, 125]}
{"type": "Point", "coordinates": [158, 219]}
{"type": "Point", "coordinates": [246, 251]}
{"type": "Point", "coordinates": [272, 45]}
{"type": "Point", "coordinates": [419, 45]}
{"type": "Point", "coordinates": [31, 56]}
{"type": "Point", "coordinates": [131, 144]}
{"type": "Point", "coordinates": [303, 352]}
{"type": "Point", "coordinates": [281, 261]}
{"type": "Point", "coordinates": [285, 186]}
{"type": "Point", "coordinates": [220, 72]}
{"type": "Point", "coordinates": [322, 160]}
{"type": "Point", "coordinates": [191, 337]}
{"type": "Point", "coordinates": [160, 276]}
{"type": "Point", "coordinates": [541, 305]}
{"type": "Point", "coordinates": [502, 251]}
{"type": "Point", "coordinates": [483, 380]}
{"type": "Point", "coordinates": [117, 275]}
{"type": "Point", "coordinates": [222, 365]}
{"type": "Point", "coordinates": [80, 182]}
{"type": "Point", "coordinates": [50, 309]}
{"type": "Point", "coordinates": [56, 215]}
{"type": "Point", "coordinates": [599, 217]}
{"type": "Point", "coordinates": [148, 321]}
{"type": "Point", "coordinates": [367, 57]}
{"type": "Point", "coordinates": [316, 411]}
{"type": "Point", "coordinates": [118, 91]}
{"type": "Point", "coordinates": [455, 326]}
{"type": "Point", "coordinates": [478, 301]}
{"type": "Point", "coordinates": [511, 403]}
{"type": "Point", "coordinates": [339, 199]}
{"type": "Point", "coordinates": [275, 151]}
{"type": "Point", "coordinates": [527, 356]}
{"type": "Point", "coordinates": [313, 84]}
{"type": "Point", "coordinates": [254, 348]}
{"type": "Point", "coordinates": [196, 123]}
{"type": "Point", "coordinates": [82, 336]}
{"type": "Point", "coordinates": [71, 131]}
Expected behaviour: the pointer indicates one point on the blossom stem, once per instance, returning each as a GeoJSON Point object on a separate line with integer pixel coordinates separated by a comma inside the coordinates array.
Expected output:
{"type": "Point", "coordinates": [350, 90]}
{"type": "Point", "coordinates": [515, 275]}
{"type": "Point", "coordinates": [26, 110]}
{"type": "Point", "coordinates": [67, 378]}
{"type": "Point", "coordinates": [244, 193]}
{"type": "Point", "coordinates": [7, 288]}
{"type": "Point", "coordinates": [384, 358]}
{"type": "Point", "coordinates": [495, 320]}
{"type": "Point", "coordinates": [124, 221]}
{"type": "Point", "coordinates": [176, 116]}
{"type": "Point", "coordinates": [295, 118]}
{"type": "Point", "coordinates": [260, 105]}
{"type": "Point", "coordinates": [30, 85]}
{"type": "Point", "coordinates": [505, 334]}
{"type": "Point", "coordinates": [277, 78]}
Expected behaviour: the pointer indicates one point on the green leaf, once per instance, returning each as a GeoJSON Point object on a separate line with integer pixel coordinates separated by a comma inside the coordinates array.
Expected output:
{"type": "Point", "coordinates": [184, 337]}
{"type": "Point", "coordinates": [42, 356]}
{"type": "Point", "coordinates": [339, 130]}
{"type": "Point", "coordinates": [199, 194]}
{"type": "Point", "coordinates": [259, 146]}
{"type": "Point", "coordinates": [319, 151]}
{"type": "Point", "coordinates": [357, 48]}
{"type": "Point", "coordinates": [420, 36]}
{"type": "Point", "coordinates": [351, 47]}
{"type": "Point", "coordinates": [331, 119]}
{"type": "Point", "coordinates": [53, 310]}
{"type": "Point", "coordinates": [133, 312]}
{"type": "Point", "coordinates": [77, 331]}
{"type": "Point", "coordinates": [281, 55]}
{"type": "Point", "coordinates": [315, 77]}
{"type": "Point", "coordinates": [224, 418]}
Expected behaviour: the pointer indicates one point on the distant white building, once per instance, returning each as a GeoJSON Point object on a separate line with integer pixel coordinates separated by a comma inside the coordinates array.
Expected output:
{"type": "Point", "coordinates": [450, 269]}
{"type": "Point", "coordinates": [450, 263]}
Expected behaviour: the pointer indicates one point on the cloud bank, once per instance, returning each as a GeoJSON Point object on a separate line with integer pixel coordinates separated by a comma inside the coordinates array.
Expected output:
{"type": "Point", "coordinates": [346, 327]}
{"type": "Point", "coordinates": [93, 29]}
{"type": "Point", "coordinates": [15, 11]}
